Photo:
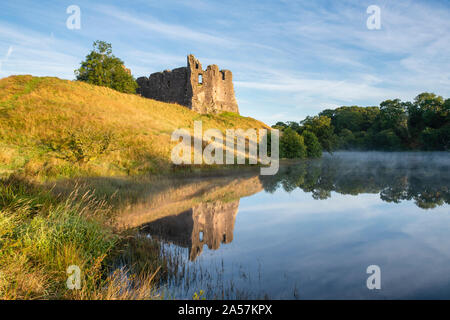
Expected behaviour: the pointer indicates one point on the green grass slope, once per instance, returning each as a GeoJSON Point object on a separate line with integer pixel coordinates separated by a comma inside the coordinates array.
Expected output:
{"type": "Point", "coordinates": [52, 128]}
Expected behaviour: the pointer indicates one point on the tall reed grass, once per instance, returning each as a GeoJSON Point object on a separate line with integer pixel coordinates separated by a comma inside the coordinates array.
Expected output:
{"type": "Point", "coordinates": [40, 236]}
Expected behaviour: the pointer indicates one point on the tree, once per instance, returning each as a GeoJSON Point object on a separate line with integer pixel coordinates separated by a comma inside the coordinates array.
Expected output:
{"type": "Point", "coordinates": [387, 140]}
{"type": "Point", "coordinates": [393, 117]}
{"type": "Point", "coordinates": [346, 139]}
{"type": "Point", "coordinates": [102, 68]}
{"type": "Point", "coordinates": [428, 112]}
{"type": "Point", "coordinates": [280, 125]}
{"type": "Point", "coordinates": [436, 139]}
{"type": "Point", "coordinates": [322, 129]}
{"type": "Point", "coordinates": [292, 145]}
{"type": "Point", "coordinates": [392, 114]}
{"type": "Point", "coordinates": [422, 112]}
{"type": "Point", "coordinates": [330, 113]}
{"type": "Point", "coordinates": [313, 147]}
{"type": "Point", "coordinates": [294, 126]}
{"type": "Point", "coordinates": [350, 118]}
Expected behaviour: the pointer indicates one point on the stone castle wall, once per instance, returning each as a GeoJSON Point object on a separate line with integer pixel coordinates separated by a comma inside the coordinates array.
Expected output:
{"type": "Point", "coordinates": [203, 91]}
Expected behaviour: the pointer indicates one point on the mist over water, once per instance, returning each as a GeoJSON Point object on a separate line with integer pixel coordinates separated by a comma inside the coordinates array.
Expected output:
{"type": "Point", "coordinates": [396, 176]}
{"type": "Point", "coordinates": [437, 160]}
{"type": "Point", "coordinates": [311, 231]}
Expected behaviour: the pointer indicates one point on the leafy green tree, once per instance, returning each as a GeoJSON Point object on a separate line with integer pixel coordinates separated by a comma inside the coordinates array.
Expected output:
{"type": "Point", "coordinates": [436, 139]}
{"type": "Point", "coordinates": [392, 114]}
{"type": "Point", "coordinates": [426, 106]}
{"type": "Point", "coordinates": [102, 68]}
{"type": "Point", "coordinates": [330, 113]}
{"type": "Point", "coordinates": [313, 147]}
{"type": "Point", "coordinates": [322, 129]}
{"type": "Point", "coordinates": [346, 139]}
{"type": "Point", "coordinates": [292, 145]}
{"type": "Point", "coordinates": [361, 141]}
{"type": "Point", "coordinates": [393, 117]}
{"type": "Point", "coordinates": [387, 140]}
{"type": "Point", "coordinates": [294, 126]}
{"type": "Point", "coordinates": [427, 111]}
{"type": "Point", "coordinates": [350, 118]}
{"type": "Point", "coordinates": [280, 125]}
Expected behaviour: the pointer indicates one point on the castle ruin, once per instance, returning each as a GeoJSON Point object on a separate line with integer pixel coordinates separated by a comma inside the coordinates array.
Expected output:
{"type": "Point", "coordinates": [203, 91]}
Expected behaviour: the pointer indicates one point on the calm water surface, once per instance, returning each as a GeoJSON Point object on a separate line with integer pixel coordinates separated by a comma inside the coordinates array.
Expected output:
{"type": "Point", "coordinates": [311, 231]}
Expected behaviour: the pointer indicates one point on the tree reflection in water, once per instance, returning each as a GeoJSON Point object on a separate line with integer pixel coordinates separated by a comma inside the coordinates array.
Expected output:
{"type": "Point", "coordinates": [422, 177]}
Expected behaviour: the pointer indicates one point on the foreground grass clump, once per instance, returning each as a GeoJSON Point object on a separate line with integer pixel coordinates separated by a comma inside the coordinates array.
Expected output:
{"type": "Point", "coordinates": [52, 128]}
{"type": "Point", "coordinates": [40, 237]}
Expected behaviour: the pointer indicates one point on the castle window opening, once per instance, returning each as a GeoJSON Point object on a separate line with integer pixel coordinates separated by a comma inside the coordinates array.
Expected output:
{"type": "Point", "coordinates": [200, 236]}
{"type": "Point", "coordinates": [200, 79]}
{"type": "Point", "coordinates": [223, 75]}
{"type": "Point", "coordinates": [196, 66]}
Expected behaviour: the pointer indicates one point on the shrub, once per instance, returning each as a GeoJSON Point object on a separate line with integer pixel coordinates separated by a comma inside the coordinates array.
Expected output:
{"type": "Point", "coordinates": [81, 145]}
{"type": "Point", "coordinates": [292, 145]}
{"type": "Point", "coordinates": [313, 147]}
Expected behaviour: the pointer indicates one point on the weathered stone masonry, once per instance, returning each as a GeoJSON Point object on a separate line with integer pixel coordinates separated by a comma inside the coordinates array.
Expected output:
{"type": "Point", "coordinates": [204, 91]}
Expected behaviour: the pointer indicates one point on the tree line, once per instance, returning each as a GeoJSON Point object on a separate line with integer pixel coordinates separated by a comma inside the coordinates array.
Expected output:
{"type": "Point", "coordinates": [423, 124]}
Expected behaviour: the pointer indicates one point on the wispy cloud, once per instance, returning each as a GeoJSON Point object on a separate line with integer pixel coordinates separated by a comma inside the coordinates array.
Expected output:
{"type": "Point", "coordinates": [174, 31]}
{"type": "Point", "coordinates": [37, 53]}
{"type": "Point", "coordinates": [7, 55]}
{"type": "Point", "coordinates": [10, 50]}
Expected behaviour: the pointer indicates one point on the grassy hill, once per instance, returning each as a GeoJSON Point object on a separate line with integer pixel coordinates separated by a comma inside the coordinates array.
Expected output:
{"type": "Point", "coordinates": [52, 128]}
{"type": "Point", "coordinates": [57, 129]}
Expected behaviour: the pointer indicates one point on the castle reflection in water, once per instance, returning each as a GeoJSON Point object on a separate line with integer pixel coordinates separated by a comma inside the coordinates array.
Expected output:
{"type": "Point", "coordinates": [209, 223]}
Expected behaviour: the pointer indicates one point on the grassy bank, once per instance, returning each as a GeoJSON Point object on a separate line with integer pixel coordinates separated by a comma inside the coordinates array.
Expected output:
{"type": "Point", "coordinates": [52, 128]}
{"type": "Point", "coordinates": [41, 236]}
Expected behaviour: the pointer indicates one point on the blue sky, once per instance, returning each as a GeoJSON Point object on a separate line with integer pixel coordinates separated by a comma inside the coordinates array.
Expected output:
{"type": "Point", "coordinates": [289, 59]}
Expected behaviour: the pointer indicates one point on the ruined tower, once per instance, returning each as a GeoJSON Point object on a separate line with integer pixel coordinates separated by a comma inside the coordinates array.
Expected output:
{"type": "Point", "coordinates": [203, 91]}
